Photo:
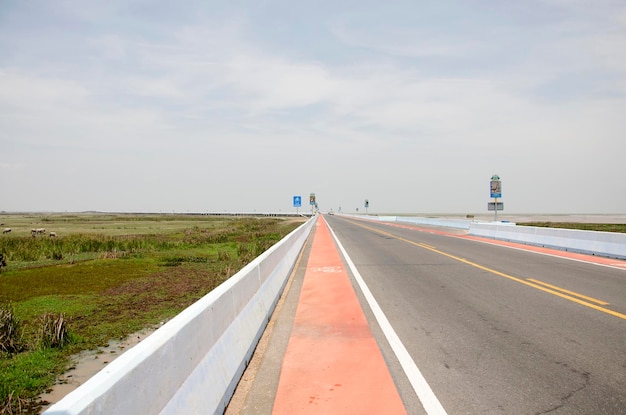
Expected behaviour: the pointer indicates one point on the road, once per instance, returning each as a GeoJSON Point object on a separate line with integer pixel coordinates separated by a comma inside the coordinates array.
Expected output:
{"type": "Point", "coordinates": [491, 329]}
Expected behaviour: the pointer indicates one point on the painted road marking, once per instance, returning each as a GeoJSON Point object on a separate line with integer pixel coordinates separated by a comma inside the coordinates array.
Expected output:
{"type": "Point", "coordinates": [326, 269]}
{"type": "Point", "coordinates": [542, 287]}
{"type": "Point", "coordinates": [419, 384]}
{"type": "Point", "coordinates": [332, 363]}
{"type": "Point", "coordinates": [530, 284]}
{"type": "Point", "coordinates": [563, 290]}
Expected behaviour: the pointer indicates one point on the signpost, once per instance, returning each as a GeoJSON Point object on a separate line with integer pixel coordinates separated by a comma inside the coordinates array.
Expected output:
{"type": "Point", "coordinates": [312, 202]}
{"type": "Point", "coordinates": [367, 205]}
{"type": "Point", "coordinates": [495, 187]}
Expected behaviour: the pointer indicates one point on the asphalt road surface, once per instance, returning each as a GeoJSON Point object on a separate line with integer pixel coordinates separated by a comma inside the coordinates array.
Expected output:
{"type": "Point", "coordinates": [491, 329]}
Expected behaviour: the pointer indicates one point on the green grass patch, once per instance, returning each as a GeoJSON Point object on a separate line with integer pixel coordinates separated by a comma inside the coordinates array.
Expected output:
{"type": "Point", "coordinates": [21, 374]}
{"type": "Point", "coordinates": [601, 227]}
{"type": "Point", "coordinates": [71, 279]}
{"type": "Point", "coordinates": [105, 277]}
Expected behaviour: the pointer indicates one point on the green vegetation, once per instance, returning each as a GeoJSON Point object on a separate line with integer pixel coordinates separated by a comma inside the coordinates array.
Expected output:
{"type": "Point", "coordinates": [104, 277]}
{"type": "Point", "coordinates": [602, 227]}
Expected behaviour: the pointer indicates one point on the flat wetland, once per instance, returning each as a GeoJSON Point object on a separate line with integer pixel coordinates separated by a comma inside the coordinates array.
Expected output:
{"type": "Point", "coordinates": [102, 278]}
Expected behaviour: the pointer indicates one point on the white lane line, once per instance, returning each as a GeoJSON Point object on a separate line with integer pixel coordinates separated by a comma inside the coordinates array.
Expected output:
{"type": "Point", "coordinates": [425, 394]}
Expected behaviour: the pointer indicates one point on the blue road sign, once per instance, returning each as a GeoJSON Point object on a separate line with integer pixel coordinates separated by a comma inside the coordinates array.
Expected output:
{"type": "Point", "coordinates": [297, 201]}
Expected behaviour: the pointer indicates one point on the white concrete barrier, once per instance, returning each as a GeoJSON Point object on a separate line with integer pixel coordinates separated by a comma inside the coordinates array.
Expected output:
{"type": "Point", "coordinates": [444, 222]}
{"type": "Point", "coordinates": [609, 244]}
{"type": "Point", "coordinates": [193, 363]}
{"type": "Point", "coordinates": [448, 223]}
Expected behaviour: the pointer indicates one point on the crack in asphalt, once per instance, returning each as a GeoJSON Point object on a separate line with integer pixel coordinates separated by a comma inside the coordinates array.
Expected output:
{"type": "Point", "coordinates": [587, 380]}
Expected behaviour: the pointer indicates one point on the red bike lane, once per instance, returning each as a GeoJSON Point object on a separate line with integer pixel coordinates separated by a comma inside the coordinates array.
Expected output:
{"type": "Point", "coordinates": [332, 364]}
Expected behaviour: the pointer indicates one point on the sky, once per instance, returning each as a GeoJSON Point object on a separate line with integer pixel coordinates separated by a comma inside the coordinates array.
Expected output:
{"type": "Point", "coordinates": [213, 106]}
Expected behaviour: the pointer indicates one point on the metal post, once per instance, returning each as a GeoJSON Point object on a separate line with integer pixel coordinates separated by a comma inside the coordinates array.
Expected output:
{"type": "Point", "coordinates": [496, 209]}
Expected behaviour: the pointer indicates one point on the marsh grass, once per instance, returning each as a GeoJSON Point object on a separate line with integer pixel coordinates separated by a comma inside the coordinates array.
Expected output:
{"type": "Point", "coordinates": [105, 277]}
{"type": "Point", "coordinates": [10, 330]}
{"type": "Point", "coordinates": [52, 330]}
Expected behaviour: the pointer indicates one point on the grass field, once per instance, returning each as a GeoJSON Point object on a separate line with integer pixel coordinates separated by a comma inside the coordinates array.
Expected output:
{"type": "Point", "coordinates": [601, 227]}
{"type": "Point", "coordinates": [104, 277]}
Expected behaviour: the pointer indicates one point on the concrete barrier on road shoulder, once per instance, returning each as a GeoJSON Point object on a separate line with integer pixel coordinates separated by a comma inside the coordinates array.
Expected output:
{"type": "Point", "coordinates": [193, 363]}
{"type": "Point", "coordinates": [608, 244]}
{"type": "Point", "coordinates": [443, 222]}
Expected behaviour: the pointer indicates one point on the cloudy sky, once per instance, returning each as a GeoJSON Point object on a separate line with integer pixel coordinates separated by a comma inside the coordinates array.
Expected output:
{"type": "Point", "coordinates": [196, 106]}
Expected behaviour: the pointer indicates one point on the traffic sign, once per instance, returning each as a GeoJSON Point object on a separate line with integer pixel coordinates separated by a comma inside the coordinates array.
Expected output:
{"type": "Point", "coordinates": [496, 188]}
{"type": "Point", "coordinates": [297, 201]}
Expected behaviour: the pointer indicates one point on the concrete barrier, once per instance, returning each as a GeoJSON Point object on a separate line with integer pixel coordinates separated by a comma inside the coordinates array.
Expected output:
{"type": "Point", "coordinates": [193, 363]}
{"type": "Point", "coordinates": [608, 244]}
{"type": "Point", "coordinates": [448, 223]}
{"type": "Point", "coordinates": [443, 222]}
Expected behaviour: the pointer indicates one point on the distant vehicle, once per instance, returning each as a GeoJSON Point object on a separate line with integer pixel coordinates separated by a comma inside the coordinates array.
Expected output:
{"type": "Point", "coordinates": [331, 213]}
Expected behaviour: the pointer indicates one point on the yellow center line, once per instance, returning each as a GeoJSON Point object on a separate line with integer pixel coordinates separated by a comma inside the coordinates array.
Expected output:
{"type": "Point", "coordinates": [551, 289]}
{"type": "Point", "coordinates": [593, 300]}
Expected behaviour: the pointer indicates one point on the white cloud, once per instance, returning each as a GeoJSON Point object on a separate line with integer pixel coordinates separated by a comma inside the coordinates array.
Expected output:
{"type": "Point", "coordinates": [275, 83]}
{"type": "Point", "coordinates": [111, 46]}
{"type": "Point", "coordinates": [604, 49]}
{"type": "Point", "coordinates": [165, 88]}
{"type": "Point", "coordinates": [19, 89]}
{"type": "Point", "coordinates": [64, 113]}
{"type": "Point", "coordinates": [408, 42]}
